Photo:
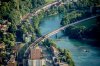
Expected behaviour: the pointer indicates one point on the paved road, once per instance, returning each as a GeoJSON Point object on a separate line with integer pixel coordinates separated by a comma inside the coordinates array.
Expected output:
{"type": "Point", "coordinates": [37, 11]}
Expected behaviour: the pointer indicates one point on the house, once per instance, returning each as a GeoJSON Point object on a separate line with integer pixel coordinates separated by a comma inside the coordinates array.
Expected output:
{"type": "Point", "coordinates": [63, 64]}
{"type": "Point", "coordinates": [36, 57]}
{"type": "Point", "coordinates": [12, 61]}
{"type": "Point", "coordinates": [3, 25]}
{"type": "Point", "coordinates": [2, 45]}
{"type": "Point", "coordinates": [27, 37]}
{"type": "Point", "coordinates": [55, 55]}
{"type": "Point", "coordinates": [58, 63]}
{"type": "Point", "coordinates": [54, 51]}
{"type": "Point", "coordinates": [2, 50]}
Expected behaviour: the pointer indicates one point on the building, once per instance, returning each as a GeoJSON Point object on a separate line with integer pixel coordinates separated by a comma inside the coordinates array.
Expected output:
{"type": "Point", "coordinates": [58, 63]}
{"type": "Point", "coordinates": [36, 57]}
{"type": "Point", "coordinates": [3, 25]}
{"type": "Point", "coordinates": [55, 58]}
{"type": "Point", "coordinates": [2, 51]}
{"type": "Point", "coordinates": [63, 64]}
{"type": "Point", "coordinates": [54, 51]}
{"type": "Point", "coordinates": [2, 48]}
{"type": "Point", "coordinates": [2, 45]}
{"type": "Point", "coordinates": [27, 37]}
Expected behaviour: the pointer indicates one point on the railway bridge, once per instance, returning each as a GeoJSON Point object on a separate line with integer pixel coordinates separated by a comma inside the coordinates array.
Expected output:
{"type": "Point", "coordinates": [53, 33]}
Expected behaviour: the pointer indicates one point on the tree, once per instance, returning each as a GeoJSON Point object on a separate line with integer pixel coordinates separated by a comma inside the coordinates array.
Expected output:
{"type": "Point", "coordinates": [62, 9]}
{"type": "Point", "coordinates": [65, 20]}
{"type": "Point", "coordinates": [4, 10]}
{"type": "Point", "coordinates": [70, 17]}
{"type": "Point", "coordinates": [11, 37]}
{"type": "Point", "coordinates": [87, 3]}
{"type": "Point", "coordinates": [12, 28]}
{"type": "Point", "coordinates": [36, 3]}
{"type": "Point", "coordinates": [32, 38]}
{"type": "Point", "coordinates": [14, 17]}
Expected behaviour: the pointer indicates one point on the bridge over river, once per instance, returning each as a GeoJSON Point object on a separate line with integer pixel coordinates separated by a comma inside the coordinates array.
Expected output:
{"type": "Point", "coordinates": [53, 33]}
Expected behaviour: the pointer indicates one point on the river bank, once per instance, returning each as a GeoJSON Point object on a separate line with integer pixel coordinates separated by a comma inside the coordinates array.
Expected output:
{"type": "Point", "coordinates": [85, 32]}
{"type": "Point", "coordinates": [76, 47]}
{"type": "Point", "coordinates": [59, 55]}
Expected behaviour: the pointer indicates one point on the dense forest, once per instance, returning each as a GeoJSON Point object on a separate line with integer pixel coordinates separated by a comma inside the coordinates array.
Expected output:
{"type": "Point", "coordinates": [12, 28]}
{"type": "Point", "coordinates": [81, 11]}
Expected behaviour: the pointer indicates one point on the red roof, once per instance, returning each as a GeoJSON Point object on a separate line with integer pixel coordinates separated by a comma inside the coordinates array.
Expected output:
{"type": "Point", "coordinates": [2, 45]}
{"type": "Point", "coordinates": [35, 54]}
{"type": "Point", "coordinates": [3, 27]}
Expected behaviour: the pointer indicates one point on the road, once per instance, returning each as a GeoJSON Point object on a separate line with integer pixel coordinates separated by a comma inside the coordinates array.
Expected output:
{"type": "Point", "coordinates": [38, 11]}
{"type": "Point", "coordinates": [54, 32]}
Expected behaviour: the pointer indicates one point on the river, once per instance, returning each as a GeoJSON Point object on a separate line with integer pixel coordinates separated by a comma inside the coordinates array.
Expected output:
{"type": "Point", "coordinates": [76, 47]}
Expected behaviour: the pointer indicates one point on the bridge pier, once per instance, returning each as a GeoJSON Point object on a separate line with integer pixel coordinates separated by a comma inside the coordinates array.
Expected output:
{"type": "Point", "coordinates": [56, 36]}
{"type": "Point", "coordinates": [45, 37]}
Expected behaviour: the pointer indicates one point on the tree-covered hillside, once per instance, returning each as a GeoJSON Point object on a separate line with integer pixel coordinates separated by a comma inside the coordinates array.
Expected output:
{"type": "Point", "coordinates": [12, 28]}
{"type": "Point", "coordinates": [82, 9]}
{"type": "Point", "coordinates": [13, 10]}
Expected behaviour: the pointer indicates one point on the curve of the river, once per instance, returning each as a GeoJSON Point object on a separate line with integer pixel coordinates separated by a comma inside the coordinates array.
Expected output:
{"type": "Point", "coordinates": [81, 58]}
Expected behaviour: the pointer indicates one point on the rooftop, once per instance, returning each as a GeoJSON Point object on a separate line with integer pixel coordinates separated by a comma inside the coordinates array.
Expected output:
{"type": "Point", "coordinates": [54, 49]}
{"type": "Point", "coordinates": [63, 64]}
{"type": "Point", "coordinates": [2, 45]}
{"type": "Point", "coordinates": [3, 27]}
{"type": "Point", "coordinates": [35, 54]}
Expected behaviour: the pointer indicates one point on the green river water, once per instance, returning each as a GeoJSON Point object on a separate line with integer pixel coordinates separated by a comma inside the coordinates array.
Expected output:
{"type": "Point", "coordinates": [76, 47]}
